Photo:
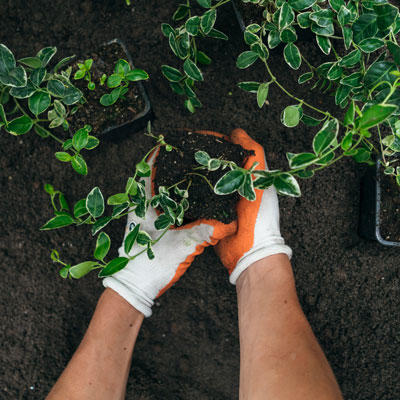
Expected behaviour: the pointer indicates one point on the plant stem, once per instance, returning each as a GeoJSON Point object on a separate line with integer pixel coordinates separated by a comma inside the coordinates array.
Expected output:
{"type": "Point", "coordinates": [221, 3]}
{"type": "Point", "coordinates": [327, 114]}
{"type": "Point", "coordinates": [208, 182]}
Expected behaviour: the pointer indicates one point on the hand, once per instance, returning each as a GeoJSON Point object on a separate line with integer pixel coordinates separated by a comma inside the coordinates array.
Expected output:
{"type": "Point", "coordinates": [258, 233]}
{"type": "Point", "coordinates": [143, 280]}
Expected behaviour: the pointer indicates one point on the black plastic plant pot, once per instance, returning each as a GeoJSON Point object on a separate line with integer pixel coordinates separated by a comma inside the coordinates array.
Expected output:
{"type": "Point", "coordinates": [131, 124]}
{"type": "Point", "coordinates": [239, 17]}
{"type": "Point", "coordinates": [140, 120]}
{"type": "Point", "coordinates": [370, 225]}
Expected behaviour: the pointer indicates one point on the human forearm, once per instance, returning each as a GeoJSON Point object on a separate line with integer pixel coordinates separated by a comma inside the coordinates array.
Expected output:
{"type": "Point", "coordinates": [280, 356]}
{"type": "Point", "coordinates": [99, 369]}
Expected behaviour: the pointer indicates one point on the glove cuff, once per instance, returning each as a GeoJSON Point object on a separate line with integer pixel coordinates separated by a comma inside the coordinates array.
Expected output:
{"type": "Point", "coordinates": [256, 255]}
{"type": "Point", "coordinates": [141, 304]}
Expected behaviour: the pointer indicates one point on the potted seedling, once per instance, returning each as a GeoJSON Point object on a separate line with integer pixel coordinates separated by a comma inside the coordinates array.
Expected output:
{"type": "Point", "coordinates": [197, 175]}
{"type": "Point", "coordinates": [48, 101]}
{"type": "Point", "coordinates": [361, 72]}
{"type": "Point", "coordinates": [115, 97]}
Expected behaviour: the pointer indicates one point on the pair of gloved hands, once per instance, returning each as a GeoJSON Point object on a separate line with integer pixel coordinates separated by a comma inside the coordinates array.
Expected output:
{"type": "Point", "coordinates": [255, 235]}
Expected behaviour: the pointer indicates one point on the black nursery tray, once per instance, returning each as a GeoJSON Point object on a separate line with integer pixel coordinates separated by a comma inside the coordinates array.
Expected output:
{"type": "Point", "coordinates": [140, 119]}
{"type": "Point", "coordinates": [370, 226]}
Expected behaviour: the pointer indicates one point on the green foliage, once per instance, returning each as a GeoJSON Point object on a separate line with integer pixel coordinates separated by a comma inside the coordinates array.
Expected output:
{"type": "Point", "coordinates": [183, 43]}
{"type": "Point", "coordinates": [119, 81]}
{"type": "Point", "coordinates": [84, 73]}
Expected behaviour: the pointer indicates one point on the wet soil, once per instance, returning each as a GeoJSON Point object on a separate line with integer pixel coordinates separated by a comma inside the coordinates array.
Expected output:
{"type": "Point", "coordinates": [390, 209]}
{"type": "Point", "coordinates": [349, 288]}
{"type": "Point", "coordinates": [178, 164]}
{"type": "Point", "coordinates": [102, 118]}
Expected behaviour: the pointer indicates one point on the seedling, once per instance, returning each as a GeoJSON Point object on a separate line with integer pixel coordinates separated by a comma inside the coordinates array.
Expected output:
{"type": "Point", "coordinates": [84, 73]}
{"type": "Point", "coordinates": [119, 81]}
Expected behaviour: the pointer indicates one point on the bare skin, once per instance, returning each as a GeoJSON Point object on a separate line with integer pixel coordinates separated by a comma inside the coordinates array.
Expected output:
{"type": "Point", "coordinates": [100, 367]}
{"type": "Point", "coordinates": [280, 357]}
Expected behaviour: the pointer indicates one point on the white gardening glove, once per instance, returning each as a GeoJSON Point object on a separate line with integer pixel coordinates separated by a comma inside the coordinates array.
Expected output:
{"type": "Point", "coordinates": [143, 280]}
{"type": "Point", "coordinates": [258, 233]}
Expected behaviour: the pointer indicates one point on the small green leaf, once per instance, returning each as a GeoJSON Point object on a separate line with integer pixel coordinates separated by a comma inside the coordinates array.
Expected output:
{"type": "Point", "coordinates": [56, 88]}
{"type": "Point", "coordinates": [371, 44]}
{"type": "Point", "coordinates": [342, 92]}
{"type": "Point", "coordinates": [192, 70]}
{"type": "Point", "coordinates": [208, 20]}
{"type": "Point", "coordinates": [143, 238]}
{"type": "Point", "coordinates": [143, 169]}
{"type": "Point", "coordinates": [63, 156]}
{"type": "Point", "coordinates": [230, 182]}
{"type": "Point", "coordinates": [305, 77]}
{"type": "Point", "coordinates": [246, 190]}
{"type": "Point", "coordinates": [324, 44]}
{"type": "Point", "coordinates": [181, 12]}
{"type": "Point", "coordinates": [115, 265]}
{"type": "Point", "coordinates": [102, 246]}
{"type": "Point", "coordinates": [286, 184]}
{"type": "Point", "coordinates": [302, 160]}
{"type": "Point", "coordinates": [71, 96]}
{"type": "Point", "coordinates": [347, 141]}
{"type": "Point", "coordinates": [292, 56]}
{"type": "Point", "coordinates": [131, 239]}
{"type": "Point", "coordinates": [92, 143]}
{"type": "Point", "coordinates": [114, 80]}
{"type": "Point", "coordinates": [290, 116]}
{"type": "Point", "coordinates": [394, 51]}
{"type": "Point", "coordinates": [46, 54]}
{"type": "Point", "coordinates": [202, 157]}
{"type": "Point", "coordinates": [137, 75]}
{"type": "Point", "coordinates": [150, 252]}
{"type": "Point", "coordinates": [162, 222]}
{"type": "Point", "coordinates": [251, 87]}
{"type": "Point", "coordinates": [122, 67]}
{"type": "Point", "coordinates": [118, 198]}
{"type": "Point", "coordinates": [39, 102]}
{"type": "Point", "coordinates": [20, 125]}
{"type": "Point", "coordinates": [379, 71]}
{"type": "Point", "coordinates": [246, 59]}
{"type": "Point", "coordinates": [364, 27]}
{"type": "Point", "coordinates": [80, 208]}
{"type": "Point", "coordinates": [262, 94]}
{"type": "Point", "coordinates": [349, 116]}
{"type": "Point", "coordinates": [386, 15]}
{"type": "Point", "coordinates": [192, 25]}
{"type": "Point", "coordinates": [286, 16]}
{"type": "Point", "coordinates": [172, 74]}
{"type": "Point", "coordinates": [326, 136]}
{"type": "Point", "coordinates": [344, 16]}
{"type": "Point", "coordinates": [80, 270]}
{"type": "Point", "coordinates": [58, 221]}
{"type": "Point", "coordinates": [204, 3]}
{"type": "Point", "coordinates": [203, 58]}
{"type": "Point", "coordinates": [375, 115]}
{"type": "Point", "coordinates": [95, 202]}
{"type": "Point", "coordinates": [300, 5]}
{"type": "Point", "coordinates": [80, 139]}
{"type": "Point", "coordinates": [49, 188]}
{"type": "Point", "coordinates": [100, 224]}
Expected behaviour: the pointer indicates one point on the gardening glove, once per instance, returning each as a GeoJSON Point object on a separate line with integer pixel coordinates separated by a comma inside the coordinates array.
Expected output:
{"type": "Point", "coordinates": [258, 233]}
{"type": "Point", "coordinates": [143, 280]}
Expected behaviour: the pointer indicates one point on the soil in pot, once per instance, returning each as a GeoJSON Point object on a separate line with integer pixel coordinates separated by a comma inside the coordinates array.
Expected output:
{"type": "Point", "coordinates": [390, 209]}
{"type": "Point", "coordinates": [172, 167]}
{"type": "Point", "coordinates": [93, 113]}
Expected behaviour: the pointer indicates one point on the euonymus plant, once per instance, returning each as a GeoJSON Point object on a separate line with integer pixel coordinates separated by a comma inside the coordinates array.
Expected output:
{"type": "Point", "coordinates": [359, 39]}
{"type": "Point", "coordinates": [91, 210]}
{"type": "Point", "coordinates": [32, 97]}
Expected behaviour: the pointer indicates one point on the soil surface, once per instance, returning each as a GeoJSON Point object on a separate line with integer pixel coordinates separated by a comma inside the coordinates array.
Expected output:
{"type": "Point", "coordinates": [389, 223]}
{"type": "Point", "coordinates": [93, 113]}
{"type": "Point", "coordinates": [173, 166]}
{"type": "Point", "coordinates": [189, 348]}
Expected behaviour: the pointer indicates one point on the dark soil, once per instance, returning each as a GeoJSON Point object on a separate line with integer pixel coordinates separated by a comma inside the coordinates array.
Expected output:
{"type": "Point", "coordinates": [349, 288]}
{"type": "Point", "coordinates": [93, 113]}
{"type": "Point", "coordinates": [390, 209]}
{"type": "Point", "coordinates": [172, 167]}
